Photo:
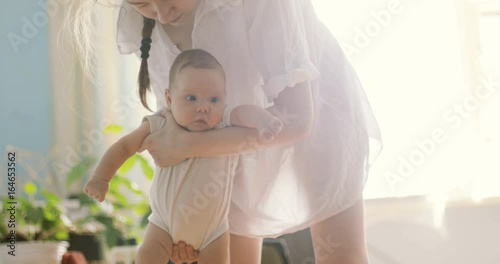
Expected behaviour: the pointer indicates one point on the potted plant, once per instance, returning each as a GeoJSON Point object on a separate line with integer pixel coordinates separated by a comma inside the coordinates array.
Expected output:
{"type": "Point", "coordinates": [120, 219]}
{"type": "Point", "coordinates": [34, 227]}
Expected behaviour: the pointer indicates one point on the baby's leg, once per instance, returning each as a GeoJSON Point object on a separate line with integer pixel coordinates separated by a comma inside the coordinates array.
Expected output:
{"type": "Point", "coordinates": [216, 252]}
{"type": "Point", "coordinates": [156, 247]}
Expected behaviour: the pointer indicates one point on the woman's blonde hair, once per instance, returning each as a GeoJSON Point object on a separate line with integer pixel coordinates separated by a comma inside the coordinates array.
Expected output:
{"type": "Point", "coordinates": [79, 22]}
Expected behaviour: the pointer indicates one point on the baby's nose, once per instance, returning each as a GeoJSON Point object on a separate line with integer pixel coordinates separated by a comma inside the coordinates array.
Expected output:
{"type": "Point", "coordinates": [202, 109]}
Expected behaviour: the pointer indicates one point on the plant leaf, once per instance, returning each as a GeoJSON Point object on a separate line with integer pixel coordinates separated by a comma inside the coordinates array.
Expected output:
{"type": "Point", "coordinates": [30, 188]}
{"type": "Point", "coordinates": [50, 197]}
{"type": "Point", "coordinates": [114, 193]}
{"type": "Point", "coordinates": [142, 209]}
{"type": "Point", "coordinates": [121, 180]}
{"type": "Point", "coordinates": [50, 213]}
{"type": "Point", "coordinates": [34, 215]}
{"type": "Point", "coordinates": [144, 219]}
{"type": "Point", "coordinates": [129, 163]}
{"type": "Point", "coordinates": [113, 129]}
{"type": "Point", "coordinates": [61, 235]}
{"type": "Point", "coordinates": [146, 168]}
{"type": "Point", "coordinates": [79, 170]}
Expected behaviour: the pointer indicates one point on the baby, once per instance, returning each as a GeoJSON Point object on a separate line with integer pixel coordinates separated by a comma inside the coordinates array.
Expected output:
{"type": "Point", "coordinates": [190, 200]}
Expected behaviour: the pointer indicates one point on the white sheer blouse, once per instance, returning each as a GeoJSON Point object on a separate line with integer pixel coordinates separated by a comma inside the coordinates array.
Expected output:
{"type": "Point", "coordinates": [264, 47]}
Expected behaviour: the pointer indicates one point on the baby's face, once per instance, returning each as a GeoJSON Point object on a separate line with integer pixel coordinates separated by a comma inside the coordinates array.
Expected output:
{"type": "Point", "coordinates": [198, 98]}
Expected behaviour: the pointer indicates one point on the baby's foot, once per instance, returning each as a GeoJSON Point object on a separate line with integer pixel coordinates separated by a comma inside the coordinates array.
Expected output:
{"type": "Point", "coordinates": [96, 188]}
{"type": "Point", "coordinates": [269, 127]}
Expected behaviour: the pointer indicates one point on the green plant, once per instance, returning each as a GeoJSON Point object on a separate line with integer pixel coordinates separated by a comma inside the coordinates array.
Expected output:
{"type": "Point", "coordinates": [129, 212]}
{"type": "Point", "coordinates": [34, 219]}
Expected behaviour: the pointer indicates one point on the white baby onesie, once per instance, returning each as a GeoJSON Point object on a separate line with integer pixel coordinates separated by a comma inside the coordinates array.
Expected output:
{"type": "Point", "coordinates": [190, 200]}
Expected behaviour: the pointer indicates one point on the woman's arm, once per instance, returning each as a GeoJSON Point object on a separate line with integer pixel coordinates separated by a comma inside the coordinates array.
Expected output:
{"type": "Point", "coordinates": [293, 106]}
{"type": "Point", "coordinates": [172, 144]}
{"type": "Point", "coordinates": [253, 116]}
{"type": "Point", "coordinates": [248, 115]}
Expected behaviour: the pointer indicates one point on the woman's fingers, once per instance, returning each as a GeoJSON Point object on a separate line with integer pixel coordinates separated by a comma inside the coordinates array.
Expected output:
{"type": "Point", "coordinates": [183, 253]}
{"type": "Point", "coordinates": [163, 145]}
{"type": "Point", "coordinates": [151, 140]}
{"type": "Point", "coordinates": [192, 254]}
{"type": "Point", "coordinates": [175, 255]}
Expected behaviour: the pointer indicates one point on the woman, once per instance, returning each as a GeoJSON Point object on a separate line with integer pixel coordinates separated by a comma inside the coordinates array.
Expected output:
{"type": "Point", "coordinates": [278, 55]}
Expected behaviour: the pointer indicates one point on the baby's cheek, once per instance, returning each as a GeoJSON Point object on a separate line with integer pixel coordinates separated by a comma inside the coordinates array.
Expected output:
{"type": "Point", "coordinates": [219, 115]}
{"type": "Point", "coordinates": [180, 117]}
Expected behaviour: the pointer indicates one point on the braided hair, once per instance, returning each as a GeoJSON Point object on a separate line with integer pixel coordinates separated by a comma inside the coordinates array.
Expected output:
{"type": "Point", "coordinates": [144, 81]}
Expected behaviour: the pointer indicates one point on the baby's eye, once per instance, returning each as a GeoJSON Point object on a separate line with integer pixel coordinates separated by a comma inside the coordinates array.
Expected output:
{"type": "Point", "coordinates": [214, 100]}
{"type": "Point", "coordinates": [191, 98]}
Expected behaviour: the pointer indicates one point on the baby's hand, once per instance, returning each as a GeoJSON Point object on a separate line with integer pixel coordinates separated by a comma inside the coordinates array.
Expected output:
{"type": "Point", "coordinates": [269, 126]}
{"type": "Point", "coordinates": [96, 188]}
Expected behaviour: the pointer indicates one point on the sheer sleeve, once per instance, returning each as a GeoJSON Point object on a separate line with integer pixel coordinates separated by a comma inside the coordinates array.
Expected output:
{"type": "Point", "coordinates": [278, 43]}
{"type": "Point", "coordinates": [129, 28]}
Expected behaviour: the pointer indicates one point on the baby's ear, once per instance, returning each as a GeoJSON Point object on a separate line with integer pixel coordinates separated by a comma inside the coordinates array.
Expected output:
{"type": "Point", "coordinates": [168, 98]}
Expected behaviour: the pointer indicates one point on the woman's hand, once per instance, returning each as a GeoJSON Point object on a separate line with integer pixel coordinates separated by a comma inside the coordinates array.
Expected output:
{"type": "Point", "coordinates": [165, 145]}
{"type": "Point", "coordinates": [182, 253]}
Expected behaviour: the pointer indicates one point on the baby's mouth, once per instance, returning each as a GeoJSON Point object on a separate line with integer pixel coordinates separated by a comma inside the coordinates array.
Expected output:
{"type": "Point", "coordinates": [200, 121]}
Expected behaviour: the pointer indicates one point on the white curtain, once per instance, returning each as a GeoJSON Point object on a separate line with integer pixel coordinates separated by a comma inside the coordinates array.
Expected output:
{"type": "Point", "coordinates": [82, 108]}
{"type": "Point", "coordinates": [420, 65]}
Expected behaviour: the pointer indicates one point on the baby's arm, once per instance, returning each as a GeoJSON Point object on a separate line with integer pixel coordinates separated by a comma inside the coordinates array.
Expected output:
{"type": "Point", "coordinates": [97, 186]}
{"type": "Point", "coordinates": [253, 116]}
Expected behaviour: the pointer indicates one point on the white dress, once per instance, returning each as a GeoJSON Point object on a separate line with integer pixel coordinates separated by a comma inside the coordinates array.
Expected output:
{"type": "Point", "coordinates": [264, 47]}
